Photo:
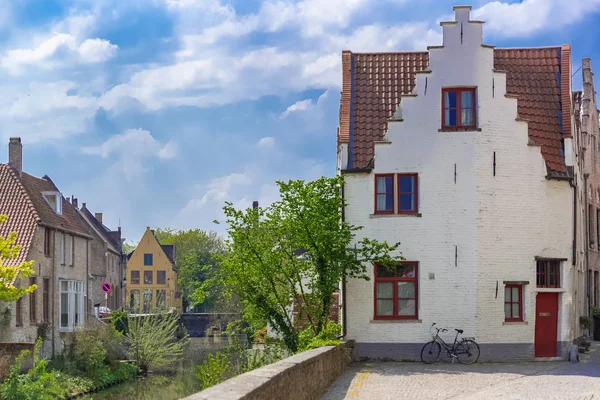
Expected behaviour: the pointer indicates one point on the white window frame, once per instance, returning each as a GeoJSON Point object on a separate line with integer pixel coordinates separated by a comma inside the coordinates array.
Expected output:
{"type": "Point", "coordinates": [73, 288]}
{"type": "Point", "coordinates": [58, 197]}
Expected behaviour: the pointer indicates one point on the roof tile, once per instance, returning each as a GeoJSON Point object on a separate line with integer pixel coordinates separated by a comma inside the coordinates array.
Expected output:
{"type": "Point", "coordinates": [379, 79]}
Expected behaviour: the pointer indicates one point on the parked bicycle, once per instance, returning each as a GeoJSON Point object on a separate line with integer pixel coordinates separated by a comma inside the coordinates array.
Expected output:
{"type": "Point", "coordinates": [466, 350]}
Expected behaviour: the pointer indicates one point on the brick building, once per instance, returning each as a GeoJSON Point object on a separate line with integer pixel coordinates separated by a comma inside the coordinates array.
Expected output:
{"type": "Point", "coordinates": [470, 156]}
{"type": "Point", "coordinates": [106, 263]}
{"type": "Point", "coordinates": [51, 233]}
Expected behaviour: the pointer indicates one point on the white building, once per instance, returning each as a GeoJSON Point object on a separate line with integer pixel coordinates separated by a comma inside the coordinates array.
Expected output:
{"type": "Point", "coordinates": [464, 154]}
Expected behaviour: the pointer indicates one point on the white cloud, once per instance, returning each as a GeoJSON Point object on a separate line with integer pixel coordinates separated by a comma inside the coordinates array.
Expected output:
{"type": "Point", "coordinates": [97, 50]}
{"type": "Point", "coordinates": [301, 105]}
{"type": "Point", "coordinates": [312, 112]}
{"type": "Point", "coordinates": [266, 143]}
{"type": "Point", "coordinates": [131, 149]}
{"type": "Point", "coordinates": [532, 16]}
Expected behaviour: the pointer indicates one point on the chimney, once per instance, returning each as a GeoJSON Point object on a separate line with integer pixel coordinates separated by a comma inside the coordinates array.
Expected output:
{"type": "Point", "coordinates": [255, 204]}
{"type": "Point", "coordinates": [74, 201]}
{"type": "Point", "coordinates": [15, 154]}
{"type": "Point", "coordinates": [99, 217]}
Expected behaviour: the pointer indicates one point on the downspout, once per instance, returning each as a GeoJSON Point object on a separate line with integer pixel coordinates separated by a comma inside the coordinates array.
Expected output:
{"type": "Point", "coordinates": [574, 260]}
{"type": "Point", "coordinates": [587, 246]}
{"type": "Point", "coordinates": [54, 288]}
{"type": "Point", "coordinates": [87, 279]}
{"type": "Point", "coordinates": [344, 328]}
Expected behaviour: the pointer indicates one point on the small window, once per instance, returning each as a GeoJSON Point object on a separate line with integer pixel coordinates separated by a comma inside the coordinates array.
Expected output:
{"type": "Point", "coordinates": [548, 274]}
{"type": "Point", "coordinates": [408, 202]}
{"type": "Point", "coordinates": [384, 194]}
{"type": "Point", "coordinates": [147, 277]}
{"type": "Point", "coordinates": [161, 299]}
{"type": "Point", "coordinates": [396, 291]}
{"type": "Point", "coordinates": [135, 277]}
{"type": "Point", "coordinates": [62, 248]}
{"type": "Point", "coordinates": [32, 299]}
{"type": "Point", "coordinates": [19, 312]}
{"type": "Point", "coordinates": [458, 108]}
{"type": "Point", "coordinates": [47, 242]}
{"type": "Point", "coordinates": [134, 300]}
{"type": "Point", "coordinates": [54, 199]}
{"type": "Point", "coordinates": [147, 259]}
{"type": "Point", "coordinates": [161, 277]}
{"type": "Point", "coordinates": [147, 300]}
{"type": "Point", "coordinates": [46, 300]}
{"type": "Point", "coordinates": [513, 303]}
{"type": "Point", "coordinates": [72, 252]}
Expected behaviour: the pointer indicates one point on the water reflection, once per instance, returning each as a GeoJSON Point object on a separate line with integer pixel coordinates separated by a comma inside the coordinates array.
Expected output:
{"type": "Point", "coordinates": [155, 387]}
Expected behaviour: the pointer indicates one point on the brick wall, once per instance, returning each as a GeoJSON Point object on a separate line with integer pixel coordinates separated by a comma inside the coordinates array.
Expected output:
{"type": "Point", "coordinates": [475, 231]}
{"type": "Point", "coordinates": [309, 374]}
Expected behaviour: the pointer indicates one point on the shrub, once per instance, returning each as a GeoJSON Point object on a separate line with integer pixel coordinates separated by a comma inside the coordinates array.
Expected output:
{"type": "Point", "coordinates": [95, 348]}
{"type": "Point", "coordinates": [215, 369]}
{"type": "Point", "coordinates": [120, 321]}
{"type": "Point", "coordinates": [153, 340]}
{"type": "Point", "coordinates": [307, 339]}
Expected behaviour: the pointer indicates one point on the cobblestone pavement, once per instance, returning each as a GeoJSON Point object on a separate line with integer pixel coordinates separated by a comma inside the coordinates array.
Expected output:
{"type": "Point", "coordinates": [534, 380]}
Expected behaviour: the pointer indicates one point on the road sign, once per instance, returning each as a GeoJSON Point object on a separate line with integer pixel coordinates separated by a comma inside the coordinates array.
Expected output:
{"type": "Point", "coordinates": [106, 287]}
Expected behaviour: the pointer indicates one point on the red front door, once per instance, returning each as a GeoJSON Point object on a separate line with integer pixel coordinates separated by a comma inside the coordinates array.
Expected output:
{"type": "Point", "coordinates": [546, 324]}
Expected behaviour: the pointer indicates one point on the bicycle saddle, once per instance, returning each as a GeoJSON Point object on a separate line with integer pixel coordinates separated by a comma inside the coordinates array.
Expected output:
{"type": "Point", "coordinates": [459, 330]}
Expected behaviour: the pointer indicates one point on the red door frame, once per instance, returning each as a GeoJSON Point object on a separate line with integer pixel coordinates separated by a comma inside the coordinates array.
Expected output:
{"type": "Point", "coordinates": [546, 324]}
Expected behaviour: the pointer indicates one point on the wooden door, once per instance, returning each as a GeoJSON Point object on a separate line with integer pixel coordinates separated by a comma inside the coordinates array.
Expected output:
{"type": "Point", "coordinates": [546, 325]}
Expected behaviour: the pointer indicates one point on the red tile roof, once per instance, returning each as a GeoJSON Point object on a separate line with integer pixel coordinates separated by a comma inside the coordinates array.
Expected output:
{"type": "Point", "coordinates": [22, 217]}
{"type": "Point", "coordinates": [373, 83]}
{"type": "Point", "coordinates": [67, 221]}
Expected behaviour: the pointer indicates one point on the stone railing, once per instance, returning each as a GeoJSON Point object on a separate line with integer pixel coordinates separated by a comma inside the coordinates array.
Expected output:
{"type": "Point", "coordinates": [303, 376]}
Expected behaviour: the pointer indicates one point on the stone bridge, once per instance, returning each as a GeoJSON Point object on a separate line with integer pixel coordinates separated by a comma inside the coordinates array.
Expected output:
{"type": "Point", "coordinates": [207, 324]}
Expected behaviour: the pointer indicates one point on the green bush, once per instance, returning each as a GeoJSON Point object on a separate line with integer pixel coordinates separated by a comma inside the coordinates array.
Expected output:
{"type": "Point", "coordinates": [153, 340]}
{"type": "Point", "coordinates": [215, 369]}
{"type": "Point", "coordinates": [120, 321]}
{"type": "Point", "coordinates": [595, 312]}
{"type": "Point", "coordinates": [307, 339]}
{"type": "Point", "coordinates": [95, 348]}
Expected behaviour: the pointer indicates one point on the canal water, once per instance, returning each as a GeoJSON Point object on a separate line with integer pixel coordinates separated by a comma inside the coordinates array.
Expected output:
{"type": "Point", "coordinates": [154, 386]}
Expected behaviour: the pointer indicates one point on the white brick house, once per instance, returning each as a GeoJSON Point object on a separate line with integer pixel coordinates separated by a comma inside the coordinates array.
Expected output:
{"type": "Point", "coordinates": [465, 154]}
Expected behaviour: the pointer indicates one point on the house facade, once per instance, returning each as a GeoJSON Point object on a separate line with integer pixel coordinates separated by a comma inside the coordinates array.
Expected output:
{"type": "Point", "coordinates": [152, 276]}
{"type": "Point", "coordinates": [52, 234]}
{"type": "Point", "coordinates": [106, 263]}
{"type": "Point", "coordinates": [467, 155]}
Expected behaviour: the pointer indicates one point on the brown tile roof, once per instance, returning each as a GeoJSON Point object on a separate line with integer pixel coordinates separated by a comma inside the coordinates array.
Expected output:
{"type": "Point", "coordinates": [372, 84]}
{"type": "Point", "coordinates": [22, 216]}
{"type": "Point", "coordinates": [69, 220]}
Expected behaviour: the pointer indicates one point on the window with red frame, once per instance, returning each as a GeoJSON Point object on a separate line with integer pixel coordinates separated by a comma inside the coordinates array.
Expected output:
{"type": "Point", "coordinates": [384, 194]}
{"type": "Point", "coordinates": [513, 303]}
{"type": "Point", "coordinates": [396, 289]}
{"type": "Point", "coordinates": [407, 193]}
{"type": "Point", "coordinates": [458, 108]}
{"type": "Point", "coordinates": [548, 274]}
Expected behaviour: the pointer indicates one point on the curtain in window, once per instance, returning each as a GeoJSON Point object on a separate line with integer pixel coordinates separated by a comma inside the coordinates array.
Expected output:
{"type": "Point", "coordinates": [450, 108]}
{"type": "Point", "coordinates": [466, 103]}
{"type": "Point", "coordinates": [385, 195]}
{"type": "Point", "coordinates": [406, 298]}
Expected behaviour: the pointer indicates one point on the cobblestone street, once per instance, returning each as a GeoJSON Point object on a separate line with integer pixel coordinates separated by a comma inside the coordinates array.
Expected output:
{"type": "Point", "coordinates": [535, 380]}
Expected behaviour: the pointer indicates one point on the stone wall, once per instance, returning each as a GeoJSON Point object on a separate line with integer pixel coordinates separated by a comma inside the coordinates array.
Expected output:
{"type": "Point", "coordinates": [10, 351]}
{"type": "Point", "coordinates": [303, 376]}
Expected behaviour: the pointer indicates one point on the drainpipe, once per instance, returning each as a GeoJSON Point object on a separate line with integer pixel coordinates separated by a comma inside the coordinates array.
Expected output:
{"type": "Point", "coordinates": [54, 287]}
{"type": "Point", "coordinates": [344, 328]}
{"type": "Point", "coordinates": [587, 246]}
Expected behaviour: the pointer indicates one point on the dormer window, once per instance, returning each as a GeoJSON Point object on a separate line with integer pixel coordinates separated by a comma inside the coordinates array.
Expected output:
{"type": "Point", "coordinates": [54, 199]}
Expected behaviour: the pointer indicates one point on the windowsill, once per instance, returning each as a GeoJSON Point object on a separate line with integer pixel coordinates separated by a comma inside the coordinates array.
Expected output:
{"type": "Point", "coordinates": [460, 129]}
{"type": "Point", "coordinates": [18, 325]}
{"type": "Point", "coordinates": [65, 330]}
{"type": "Point", "coordinates": [417, 215]}
{"type": "Point", "coordinates": [395, 321]}
{"type": "Point", "coordinates": [32, 323]}
{"type": "Point", "coordinates": [515, 323]}
{"type": "Point", "coordinates": [550, 290]}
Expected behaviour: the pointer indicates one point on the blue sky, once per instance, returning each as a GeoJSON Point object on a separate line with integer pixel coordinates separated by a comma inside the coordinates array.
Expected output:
{"type": "Point", "coordinates": [155, 112]}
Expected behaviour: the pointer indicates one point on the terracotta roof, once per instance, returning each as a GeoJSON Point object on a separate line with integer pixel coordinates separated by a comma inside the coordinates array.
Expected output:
{"type": "Point", "coordinates": [69, 220]}
{"type": "Point", "coordinates": [22, 216]}
{"type": "Point", "coordinates": [373, 83]}
{"type": "Point", "coordinates": [106, 233]}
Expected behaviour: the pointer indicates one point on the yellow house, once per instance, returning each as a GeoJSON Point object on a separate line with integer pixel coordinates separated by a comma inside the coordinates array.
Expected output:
{"type": "Point", "coordinates": [152, 276]}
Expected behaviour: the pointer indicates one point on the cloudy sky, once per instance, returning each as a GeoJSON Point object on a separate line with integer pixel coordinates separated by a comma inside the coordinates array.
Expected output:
{"type": "Point", "coordinates": [155, 112]}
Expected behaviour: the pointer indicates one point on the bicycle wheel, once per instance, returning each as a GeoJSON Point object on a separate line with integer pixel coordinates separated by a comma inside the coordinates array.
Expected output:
{"type": "Point", "coordinates": [467, 351]}
{"type": "Point", "coordinates": [430, 352]}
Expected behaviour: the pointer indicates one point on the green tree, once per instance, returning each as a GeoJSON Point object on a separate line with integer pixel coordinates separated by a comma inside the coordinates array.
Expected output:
{"type": "Point", "coordinates": [197, 266]}
{"type": "Point", "coordinates": [262, 266]}
{"type": "Point", "coordinates": [128, 247]}
{"type": "Point", "coordinates": [9, 275]}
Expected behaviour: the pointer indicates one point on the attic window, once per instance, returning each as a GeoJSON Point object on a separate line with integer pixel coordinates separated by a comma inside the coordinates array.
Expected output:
{"type": "Point", "coordinates": [54, 199]}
